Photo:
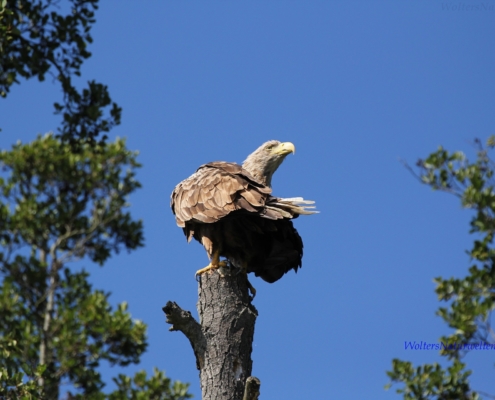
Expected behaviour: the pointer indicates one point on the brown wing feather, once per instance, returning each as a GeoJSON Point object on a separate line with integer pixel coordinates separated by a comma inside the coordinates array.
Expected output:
{"type": "Point", "coordinates": [255, 198]}
{"type": "Point", "coordinates": [215, 190]}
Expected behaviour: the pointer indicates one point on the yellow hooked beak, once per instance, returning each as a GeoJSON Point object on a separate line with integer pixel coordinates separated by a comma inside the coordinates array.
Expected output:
{"type": "Point", "coordinates": [284, 148]}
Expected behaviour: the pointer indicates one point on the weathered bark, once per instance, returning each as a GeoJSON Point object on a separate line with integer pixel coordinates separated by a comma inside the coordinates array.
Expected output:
{"type": "Point", "coordinates": [252, 390]}
{"type": "Point", "coordinates": [222, 342]}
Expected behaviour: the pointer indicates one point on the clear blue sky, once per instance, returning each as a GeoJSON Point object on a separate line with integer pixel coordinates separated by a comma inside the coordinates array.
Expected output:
{"type": "Point", "coordinates": [355, 85]}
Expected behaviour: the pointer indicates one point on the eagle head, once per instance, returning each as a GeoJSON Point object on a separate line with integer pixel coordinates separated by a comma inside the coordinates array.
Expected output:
{"type": "Point", "coordinates": [265, 160]}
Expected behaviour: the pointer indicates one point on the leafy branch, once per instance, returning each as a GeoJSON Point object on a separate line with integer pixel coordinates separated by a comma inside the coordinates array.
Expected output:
{"type": "Point", "coordinates": [471, 300]}
{"type": "Point", "coordinates": [36, 39]}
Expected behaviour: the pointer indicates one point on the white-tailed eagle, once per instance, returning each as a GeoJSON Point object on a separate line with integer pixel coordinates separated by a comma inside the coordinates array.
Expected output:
{"type": "Point", "coordinates": [231, 211]}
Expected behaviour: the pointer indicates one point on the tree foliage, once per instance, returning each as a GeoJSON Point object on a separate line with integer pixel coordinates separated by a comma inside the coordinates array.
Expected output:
{"type": "Point", "coordinates": [38, 38]}
{"type": "Point", "coordinates": [157, 387]}
{"type": "Point", "coordinates": [470, 300]}
{"type": "Point", "coordinates": [57, 206]}
{"type": "Point", "coordinates": [64, 198]}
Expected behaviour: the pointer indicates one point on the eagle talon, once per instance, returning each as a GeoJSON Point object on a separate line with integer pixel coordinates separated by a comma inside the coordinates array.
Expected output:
{"type": "Point", "coordinates": [210, 267]}
{"type": "Point", "coordinates": [221, 266]}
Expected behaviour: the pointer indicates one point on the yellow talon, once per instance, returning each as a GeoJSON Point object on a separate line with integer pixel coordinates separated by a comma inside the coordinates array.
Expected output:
{"type": "Point", "coordinates": [211, 266]}
{"type": "Point", "coordinates": [217, 264]}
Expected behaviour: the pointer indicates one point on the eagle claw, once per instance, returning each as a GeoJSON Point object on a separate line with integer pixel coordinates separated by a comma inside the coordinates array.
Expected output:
{"type": "Point", "coordinates": [211, 266]}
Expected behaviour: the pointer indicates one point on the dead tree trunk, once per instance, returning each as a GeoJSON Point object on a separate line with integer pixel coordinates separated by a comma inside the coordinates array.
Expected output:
{"type": "Point", "coordinates": [222, 341]}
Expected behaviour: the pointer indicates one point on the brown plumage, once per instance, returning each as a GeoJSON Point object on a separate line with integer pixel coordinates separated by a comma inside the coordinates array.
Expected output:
{"type": "Point", "coordinates": [230, 210]}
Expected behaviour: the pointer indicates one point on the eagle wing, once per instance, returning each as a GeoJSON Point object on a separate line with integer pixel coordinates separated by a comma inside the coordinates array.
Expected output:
{"type": "Point", "coordinates": [215, 190]}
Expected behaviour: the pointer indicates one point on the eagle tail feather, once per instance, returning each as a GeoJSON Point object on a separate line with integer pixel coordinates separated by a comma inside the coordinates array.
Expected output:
{"type": "Point", "coordinates": [294, 206]}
